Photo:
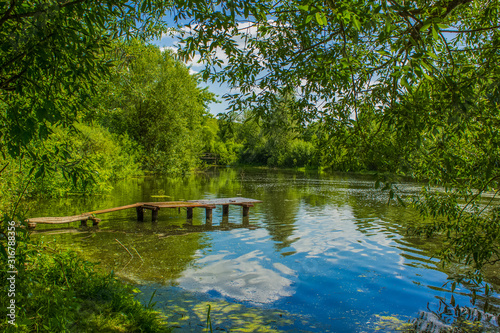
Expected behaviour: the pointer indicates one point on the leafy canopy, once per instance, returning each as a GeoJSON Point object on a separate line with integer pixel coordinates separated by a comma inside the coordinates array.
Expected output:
{"type": "Point", "coordinates": [155, 100]}
{"type": "Point", "coordinates": [422, 75]}
{"type": "Point", "coordinates": [52, 51]}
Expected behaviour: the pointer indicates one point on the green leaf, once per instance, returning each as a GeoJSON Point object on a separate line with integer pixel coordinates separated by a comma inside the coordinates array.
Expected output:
{"type": "Point", "coordinates": [388, 24]}
{"type": "Point", "coordinates": [427, 76]}
{"type": "Point", "coordinates": [435, 34]}
{"type": "Point", "coordinates": [383, 52]}
{"type": "Point", "coordinates": [426, 66]}
{"type": "Point", "coordinates": [432, 55]}
{"type": "Point", "coordinates": [321, 19]}
{"type": "Point", "coordinates": [405, 83]}
{"type": "Point", "coordinates": [356, 22]}
{"type": "Point", "coordinates": [425, 27]}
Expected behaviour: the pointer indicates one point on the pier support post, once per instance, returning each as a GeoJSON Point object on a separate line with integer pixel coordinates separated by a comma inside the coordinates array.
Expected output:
{"type": "Point", "coordinates": [140, 213]}
{"type": "Point", "coordinates": [189, 214]}
{"type": "Point", "coordinates": [225, 211]}
{"type": "Point", "coordinates": [83, 223]}
{"type": "Point", "coordinates": [208, 211]}
{"type": "Point", "coordinates": [154, 214]}
{"type": "Point", "coordinates": [95, 221]}
{"type": "Point", "coordinates": [246, 209]}
{"type": "Point", "coordinates": [225, 221]}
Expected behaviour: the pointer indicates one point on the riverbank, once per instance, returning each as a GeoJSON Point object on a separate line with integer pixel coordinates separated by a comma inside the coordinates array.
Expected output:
{"type": "Point", "coordinates": [56, 290]}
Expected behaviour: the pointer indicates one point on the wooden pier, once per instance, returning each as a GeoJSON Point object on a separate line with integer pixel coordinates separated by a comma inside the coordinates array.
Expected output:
{"type": "Point", "coordinates": [155, 207]}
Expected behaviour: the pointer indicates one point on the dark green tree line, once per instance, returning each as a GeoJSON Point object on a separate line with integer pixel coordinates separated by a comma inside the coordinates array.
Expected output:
{"type": "Point", "coordinates": [153, 98]}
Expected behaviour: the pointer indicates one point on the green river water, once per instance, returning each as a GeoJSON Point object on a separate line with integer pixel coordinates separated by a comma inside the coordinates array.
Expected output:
{"type": "Point", "coordinates": [321, 253]}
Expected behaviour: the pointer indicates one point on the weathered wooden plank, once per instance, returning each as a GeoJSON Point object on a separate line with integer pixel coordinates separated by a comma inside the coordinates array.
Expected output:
{"type": "Point", "coordinates": [59, 219]}
{"type": "Point", "coordinates": [172, 204]}
{"type": "Point", "coordinates": [244, 204]}
{"type": "Point", "coordinates": [227, 201]}
{"type": "Point", "coordinates": [110, 210]}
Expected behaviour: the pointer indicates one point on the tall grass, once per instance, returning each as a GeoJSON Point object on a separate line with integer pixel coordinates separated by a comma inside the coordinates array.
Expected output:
{"type": "Point", "coordinates": [59, 291]}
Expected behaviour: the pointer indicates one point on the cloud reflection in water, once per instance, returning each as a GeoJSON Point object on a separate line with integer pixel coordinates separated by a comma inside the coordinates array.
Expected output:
{"type": "Point", "coordinates": [243, 278]}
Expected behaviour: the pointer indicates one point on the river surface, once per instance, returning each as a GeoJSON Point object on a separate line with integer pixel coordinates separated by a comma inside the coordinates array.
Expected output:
{"type": "Point", "coordinates": [321, 253]}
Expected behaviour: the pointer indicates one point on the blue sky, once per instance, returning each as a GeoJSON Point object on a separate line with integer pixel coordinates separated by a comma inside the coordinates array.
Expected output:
{"type": "Point", "coordinates": [218, 89]}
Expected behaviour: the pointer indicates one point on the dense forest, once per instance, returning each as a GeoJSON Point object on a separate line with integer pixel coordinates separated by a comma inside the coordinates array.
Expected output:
{"type": "Point", "coordinates": [394, 87]}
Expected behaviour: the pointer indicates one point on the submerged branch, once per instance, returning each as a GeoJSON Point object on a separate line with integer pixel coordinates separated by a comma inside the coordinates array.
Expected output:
{"type": "Point", "coordinates": [124, 247]}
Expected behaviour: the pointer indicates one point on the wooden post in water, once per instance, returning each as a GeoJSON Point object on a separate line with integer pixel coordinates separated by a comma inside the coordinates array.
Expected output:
{"type": "Point", "coordinates": [208, 211]}
{"type": "Point", "coordinates": [225, 211]}
{"type": "Point", "coordinates": [83, 223]}
{"type": "Point", "coordinates": [95, 221]}
{"type": "Point", "coordinates": [189, 214]}
{"type": "Point", "coordinates": [154, 214]}
{"type": "Point", "coordinates": [140, 213]}
{"type": "Point", "coordinates": [246, 209]}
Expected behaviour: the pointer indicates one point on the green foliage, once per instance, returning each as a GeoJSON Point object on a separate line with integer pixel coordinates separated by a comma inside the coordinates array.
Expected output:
{"type": "Point", "coordinates": [153, 98]}
{"type": "Point", "coordinates": [227, 150]}
{"type": "Point", "coordinates": [409, 87]}
{"type": "Point", "coordinates": [274, 140]}
{"type": "Point", "coordinates": [51, 55]}
{"type": "Point", "coordinates": [87, 148]}
{"type": "Point", "coordinates": [60, 292]}
{"type": "Point", "coordinates": [108, 156]}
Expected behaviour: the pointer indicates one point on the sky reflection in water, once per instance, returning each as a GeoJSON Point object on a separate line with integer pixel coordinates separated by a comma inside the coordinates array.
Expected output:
{"type": "Point", "coordinates": [327, 250]}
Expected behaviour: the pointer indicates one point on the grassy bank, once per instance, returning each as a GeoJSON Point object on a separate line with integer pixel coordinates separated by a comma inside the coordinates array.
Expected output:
{"type": "Point", "coordinates": [58, 291]}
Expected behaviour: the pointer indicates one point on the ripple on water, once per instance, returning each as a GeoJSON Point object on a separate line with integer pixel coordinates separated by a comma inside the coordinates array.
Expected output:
{"type": "Point", "coordinates": [324, 251]}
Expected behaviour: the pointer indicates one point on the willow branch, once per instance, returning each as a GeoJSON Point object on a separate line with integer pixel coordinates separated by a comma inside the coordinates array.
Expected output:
{"type": "Point", "coordinates": [471, 30]}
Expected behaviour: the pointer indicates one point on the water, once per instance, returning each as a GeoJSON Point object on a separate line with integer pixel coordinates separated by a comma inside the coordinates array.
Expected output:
{"type": "Point", "coordinates": [322, 253]}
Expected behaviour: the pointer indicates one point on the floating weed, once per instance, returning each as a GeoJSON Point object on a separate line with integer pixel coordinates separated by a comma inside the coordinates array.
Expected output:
{"type": "Point", "coordinates": [391, 324]}
{"type": "Point", "coordinates": [190, 315]}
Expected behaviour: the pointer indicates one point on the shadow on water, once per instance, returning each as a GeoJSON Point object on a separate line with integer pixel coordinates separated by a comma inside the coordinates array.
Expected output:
{"type": "Point", "coordinates": [322, 253]}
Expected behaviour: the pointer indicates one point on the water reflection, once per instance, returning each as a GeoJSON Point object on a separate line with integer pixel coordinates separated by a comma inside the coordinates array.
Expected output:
{"type": "Point", "coordinates": [325, 247]}
{"type": "Point", "coordinates": [240, 277]}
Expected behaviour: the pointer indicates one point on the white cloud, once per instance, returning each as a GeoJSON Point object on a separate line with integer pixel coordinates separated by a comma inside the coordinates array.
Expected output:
{"type": "Point", "coordinates": [171, 48]}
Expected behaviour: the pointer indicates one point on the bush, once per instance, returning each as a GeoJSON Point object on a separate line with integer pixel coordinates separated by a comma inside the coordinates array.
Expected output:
{"type": "Point", "coordinates": [82, 160]}
{"type": "Point", "coordinates": [61, 292]}
{"type": "Point", "coordinates": [299, 153]}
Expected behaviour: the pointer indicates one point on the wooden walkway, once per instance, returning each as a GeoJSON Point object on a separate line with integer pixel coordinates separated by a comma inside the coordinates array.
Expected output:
{"type": "Point", "coordinates": [209, 205]}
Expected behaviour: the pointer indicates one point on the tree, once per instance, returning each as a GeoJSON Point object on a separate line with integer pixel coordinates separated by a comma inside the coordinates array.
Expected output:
{"type": "Point", "coordinates": [423, 73]}
{"type": "Point", "coordinates": [52, 51]}
{"type": "Point", "coordinates": [273, 140]}
{"type": "Point", "coordinates": [155, 100]}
